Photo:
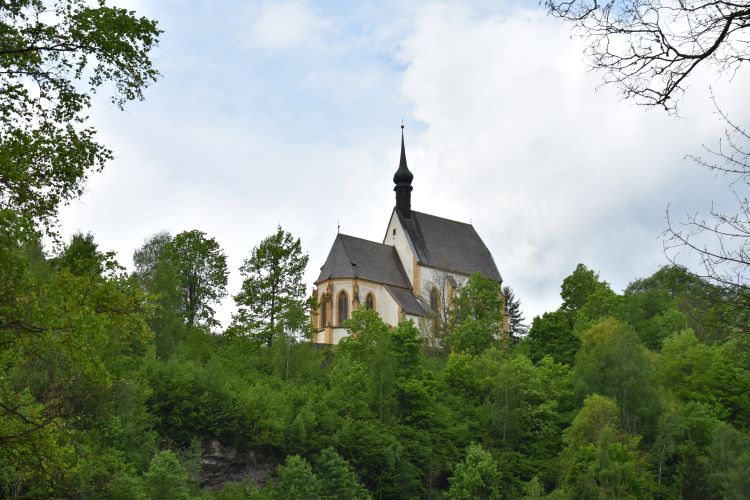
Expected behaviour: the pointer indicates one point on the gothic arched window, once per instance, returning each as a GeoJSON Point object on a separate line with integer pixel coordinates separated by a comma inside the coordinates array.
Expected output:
{"type": "Point", "coordinates": [343, 307]}
{"type": "Point", "coordinates": [370, 301]}
{"type": "Point", "coordinates": [323, 312]}
{"type": "Point", "coordinates": [435, 307]}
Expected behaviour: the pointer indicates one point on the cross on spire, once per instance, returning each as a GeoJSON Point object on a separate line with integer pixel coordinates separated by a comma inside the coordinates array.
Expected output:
{"type": "Point", "coordinates": [402, 179]}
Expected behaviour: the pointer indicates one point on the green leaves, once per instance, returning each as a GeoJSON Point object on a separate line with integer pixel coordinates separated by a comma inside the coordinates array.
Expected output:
{"type": "Point", "coordinates": [46, 49]}
{"type": "Point", "coordinates": [477, 315]}
{"type": "Point", "coordinates": [272, 298]}
{"type": "Point", "coordinates": [201, 268]}
{"type": "Point", "coordinates": [476, 477]}
{"type": "Point", "coordinates": [612, 362]}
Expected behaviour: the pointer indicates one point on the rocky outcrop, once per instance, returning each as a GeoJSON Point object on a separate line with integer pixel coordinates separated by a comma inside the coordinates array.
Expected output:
{"type": "Point", "coordinates": [222, 464]}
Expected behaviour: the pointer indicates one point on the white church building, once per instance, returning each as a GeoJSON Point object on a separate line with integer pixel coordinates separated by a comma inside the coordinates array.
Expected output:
{"type": "Point", "coordinates": [422, 260]}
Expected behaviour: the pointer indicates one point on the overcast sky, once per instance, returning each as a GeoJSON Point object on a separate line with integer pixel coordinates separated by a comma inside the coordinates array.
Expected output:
{"type": "Point", "coordinates": [288, 113]}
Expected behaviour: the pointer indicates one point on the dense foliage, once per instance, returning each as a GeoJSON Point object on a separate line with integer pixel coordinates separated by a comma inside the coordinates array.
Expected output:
{"type": "Point", "coordinates": [120, 385]}
{"type": "Point", "coordinates": [641, 394]}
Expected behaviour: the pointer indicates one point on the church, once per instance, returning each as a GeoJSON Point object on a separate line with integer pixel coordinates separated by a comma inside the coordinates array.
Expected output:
{"type": "Point", "coordinates": [412, 274]}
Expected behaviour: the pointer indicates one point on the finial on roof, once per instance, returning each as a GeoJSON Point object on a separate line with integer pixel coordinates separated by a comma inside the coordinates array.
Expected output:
{"type": "Point", "coordinates": [403, 175]}
{"type": "Point", "coordinates": [402, 178]}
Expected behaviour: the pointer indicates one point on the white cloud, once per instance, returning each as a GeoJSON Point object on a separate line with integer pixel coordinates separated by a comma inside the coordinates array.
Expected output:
{"type": "Point", "coordinates": [510, 134]}
{"type": "Point", "coordinates": [550, 171]}
{"type": "Point", "coordinates": [287, 24]}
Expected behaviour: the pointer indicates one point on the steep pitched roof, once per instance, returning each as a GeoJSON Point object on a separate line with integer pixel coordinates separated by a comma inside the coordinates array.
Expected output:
{"type": "Point", "coordinates": [448, 245]}
{"type": "Point", "coordinates": [352, 257]}
{"type": "Point", "coordinates": [408, 302]}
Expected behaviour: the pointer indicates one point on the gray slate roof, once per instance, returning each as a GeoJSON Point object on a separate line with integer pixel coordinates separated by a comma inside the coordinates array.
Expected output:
{"type": "Point", "coordinates": [408, 302]}
{"type": "Point", "coordinates": [448, 245]}
{"type": "Point", "coordinates": [352, 257]}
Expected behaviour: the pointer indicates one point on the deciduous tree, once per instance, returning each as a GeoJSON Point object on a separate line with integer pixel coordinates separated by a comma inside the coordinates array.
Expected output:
{"type": "Point", "coordinates": [273, 291]}
{"type": "Point", "coordinates": [612, 362]}
{"type": "Point", "coordinates": [650, 48]}
{"type": "Point", "coordinates": [54, 55]}
{"type": "Point", "coordinates": [201, 268]}
{"type": "Point", "coordinates": [477, 315]}
{"type": "Point", "coordinates": [476, 477]}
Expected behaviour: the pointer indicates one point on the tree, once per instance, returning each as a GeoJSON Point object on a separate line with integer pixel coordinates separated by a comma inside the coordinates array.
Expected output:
{"type": "Point", "coordinates": [158, 275]}
{"type": "Point", "coordinates": [516, 326]}
{"type": "Point", "coordinates": [477, 315]}
{"type": "Point", "coordinates": [649, 48]}
{"type": "Point", "coordinates": [729, 454]}
{"type": "Point", "coordinates": [694, 371]}
{"type": "Point", "coordinates": [337, 479]}
{"type": "Point", "coordinates": [551, 334]}
{"type": "Point", "coordinates": [437, 296]}
{"type": "Point", "coordinates": [296, 480]}
{"type": "Point", "coordinates": [720, 240]}
{"type": "Point", "coordinates": [53, 57]}
{"type": "Point", "coordinates": [273, 291]}
{"type": "Point", "coordinates": [476, 477]}
{"type": "Point", "coordinates": [81, 257]}
{"type": "Point", "coordinates": [147, 258]}
{"type": "Point", "coordinates": [692, 473]}
{"type": "Point", "coordinates": [71, 345]}
{"type": "Point", "coordinates": [201, 268]}
{"type": "Point", "coordinates": [578, 287]}
{"type": "Point", "coordinates": [612, 362]}
{"type": "Point", "coordinates": [166, 477]}
{"type": "Point", "coordinates": [601, 461]}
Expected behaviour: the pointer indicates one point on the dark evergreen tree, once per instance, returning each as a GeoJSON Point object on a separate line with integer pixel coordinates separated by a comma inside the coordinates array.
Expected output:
{"type": "Point", "coordinates": [516, 326]}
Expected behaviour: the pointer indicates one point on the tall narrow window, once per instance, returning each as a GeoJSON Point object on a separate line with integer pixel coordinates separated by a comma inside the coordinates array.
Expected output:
{"type": "Point", "coordinates": [370, 301]}
{"type": "Point", "coordinates": [323, 313]}
{"type": "Point", "coordinates": [343, 307]}
{"type": "Point", "coordinates": [435, 307]}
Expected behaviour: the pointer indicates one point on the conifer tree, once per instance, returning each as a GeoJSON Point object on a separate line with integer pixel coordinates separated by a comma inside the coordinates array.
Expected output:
{"type": "Point", "coordinates": [516, 326]}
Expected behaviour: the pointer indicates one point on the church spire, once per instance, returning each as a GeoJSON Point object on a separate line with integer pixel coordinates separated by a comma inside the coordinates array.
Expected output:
{"type": "Point", "coordinates": [402, 178]}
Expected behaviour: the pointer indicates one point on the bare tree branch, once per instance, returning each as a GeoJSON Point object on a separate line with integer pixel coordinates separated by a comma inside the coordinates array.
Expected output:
{"type": "Point", "coordinates": [649, 48]}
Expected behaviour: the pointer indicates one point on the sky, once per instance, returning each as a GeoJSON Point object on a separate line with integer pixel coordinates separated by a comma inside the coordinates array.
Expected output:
{"type": "Point", "coordinates": [288, 113]}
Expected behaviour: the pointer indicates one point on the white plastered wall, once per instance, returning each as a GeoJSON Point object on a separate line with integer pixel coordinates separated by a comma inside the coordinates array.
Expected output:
{"type": "Point", "coordinates": [385, 306]}
{"type": "Point", "coordinates": [433, 277]}
{"type": "Point", "coordinates": [400, 241]}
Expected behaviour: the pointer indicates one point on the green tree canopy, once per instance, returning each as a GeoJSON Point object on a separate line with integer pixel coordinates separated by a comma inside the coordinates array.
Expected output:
{"type": "Point", "coordinates": [516, 322]}
{"type": "Point", "coordinates": [81, 256]}
{"type": "Point", "coordinates": [201, 268]}
{"type": "Point", "coordinates": [147, 258]}
{"type": "Point", "coordinates": [577, 287]}
{"type": "Point", "coordinates": [551, 334]}
{"type": "Point", "coordinates": [612, 362]}
{"type": "Point", "coordinates": [476, 477]}
{"type": "Point", "coordinates": [273, 291]}
{"type": "Point", "coordinates": [336, 478]}
{"type": "Point", "coordinates": [166, 477]}
{"type": "Point", "coordinates": [477, 315]}
{"type": "Point", "coordinates": [600, 460]}
{"type": "Point", "coordinates": [296, 480]}
{"type": "Point", "coordinates": [53, 57]}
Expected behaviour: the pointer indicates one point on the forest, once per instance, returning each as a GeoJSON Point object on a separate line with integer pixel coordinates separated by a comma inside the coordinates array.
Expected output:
{"type": "Point", "coordinates": [122, 384]}
{"type": "Point", "coordinates": [113, 383]}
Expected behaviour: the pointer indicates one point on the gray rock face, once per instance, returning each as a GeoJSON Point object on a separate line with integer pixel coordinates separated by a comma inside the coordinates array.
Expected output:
{"type": "Point", "coordinates": [222, 464]}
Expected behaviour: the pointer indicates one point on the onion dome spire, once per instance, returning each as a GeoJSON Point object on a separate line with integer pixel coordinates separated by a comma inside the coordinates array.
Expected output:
{"type": "Point", "coordinates": [402, 179]}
